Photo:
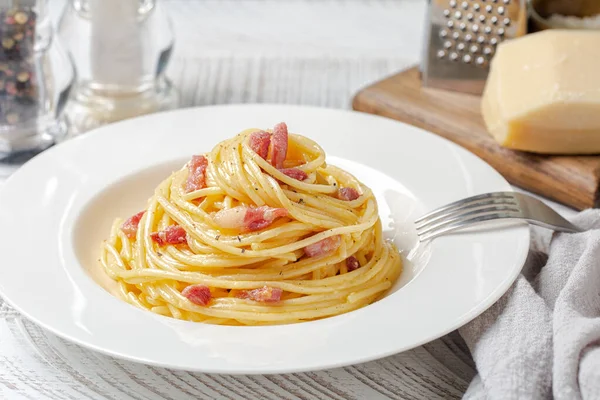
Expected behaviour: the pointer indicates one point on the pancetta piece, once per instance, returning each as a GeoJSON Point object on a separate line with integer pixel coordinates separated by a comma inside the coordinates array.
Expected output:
{"type": "Point", "coordinates": [265, 294]}
{"type": "Point", "coordinates": [348, 194]}
{"type": "Point", "coordinates": [197, 174]}
{"type": "Point", "coordinates": [173, 234]}
{"type": "Point", "coordinates": [352, 263]}
{"type": "Point", "coordinates": [248, 218]}
{"type": "Point", "coordinates": [130, 226]}
{"type": "Point", "coordinates": [259, 142]}
{"type": "Point", "coordinates": [280, 145]}
{"type": "Point", "coordinates": [197, 294]}
{"type": "Point", "coordinates": [294, 173]}
{"type": "Point", "coordinates": [323, 247]}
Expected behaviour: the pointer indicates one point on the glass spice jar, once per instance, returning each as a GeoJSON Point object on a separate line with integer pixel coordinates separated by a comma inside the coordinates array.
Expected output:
{"type": "Point", "coordinates": [35, 79]}
{"type": "Point", "coordinates": [120, 49]}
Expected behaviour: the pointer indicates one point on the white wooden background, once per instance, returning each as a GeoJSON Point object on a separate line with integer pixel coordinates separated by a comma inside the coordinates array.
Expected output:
{"type": "Point", "coordinates": [316, 52]}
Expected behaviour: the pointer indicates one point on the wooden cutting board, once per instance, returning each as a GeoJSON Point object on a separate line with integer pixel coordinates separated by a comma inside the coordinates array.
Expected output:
{"type": "Point", "coordinates": [571, 180]}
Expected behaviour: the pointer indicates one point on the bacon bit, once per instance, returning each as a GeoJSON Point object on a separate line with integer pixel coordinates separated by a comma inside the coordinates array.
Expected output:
{"type": "Point", "coordinates": [259, 143]}
{"type": "Point", "coordinates": [232, 218]}
{"type": "Point", "coordinates": [261, 217]}
{"type": "Point", "coordinates": [323, 247]}
{"type": "Point", "coordinates": [265, 294]}
{"type": "Point", "coordinates": [348, 194]}
{"type": "Point", "coordinates": [352, 263]}
{"type": "Point", "coordinates": [173, 234]}
{"type": "Point", "coordinates": [197, 294]}
{"type": "Point", "coordinates": [248, 218]}
{"type": "Point", "coordinates": [197, 174]}
{"type": "Point", "coordinates": [130, 226]}
{"type": "Point", "coordinates": [280, 145]}
{"type": "Point", "coordinates": [294, 173]}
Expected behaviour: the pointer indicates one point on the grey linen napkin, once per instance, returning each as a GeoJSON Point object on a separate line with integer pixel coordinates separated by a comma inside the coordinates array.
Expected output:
{"type": "Point", "coordinates": [541, 340]}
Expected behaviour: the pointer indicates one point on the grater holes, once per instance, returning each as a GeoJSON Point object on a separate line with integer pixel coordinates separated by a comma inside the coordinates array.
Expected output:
{"type": "Point", "coordinates": [473, 30]}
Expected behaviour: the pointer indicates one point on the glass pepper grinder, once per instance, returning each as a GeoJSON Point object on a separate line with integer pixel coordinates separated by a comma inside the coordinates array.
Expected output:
{"type": "Point", "coordinates": [120, 49]}
{"type": "Point", "coordinates": [35, 79]}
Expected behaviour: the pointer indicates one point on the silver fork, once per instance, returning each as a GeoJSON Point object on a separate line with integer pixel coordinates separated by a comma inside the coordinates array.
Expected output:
{"type": "Point", "coordinates": [488, 207]}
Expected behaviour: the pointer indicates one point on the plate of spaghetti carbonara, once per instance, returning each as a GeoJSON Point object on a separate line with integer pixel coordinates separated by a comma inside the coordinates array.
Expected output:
{"type": "Point", "coordinates": [260, 230]}
{"type": "Point", "coordinates": [250, 239]}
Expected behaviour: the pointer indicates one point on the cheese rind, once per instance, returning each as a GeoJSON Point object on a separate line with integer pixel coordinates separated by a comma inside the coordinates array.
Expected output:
{"type": "Point", "coordinates": [543, 93]}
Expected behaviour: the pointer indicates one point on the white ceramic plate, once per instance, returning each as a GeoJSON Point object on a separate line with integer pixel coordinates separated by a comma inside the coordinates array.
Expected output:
{"type": "Point", "coordinates": [57, 208]}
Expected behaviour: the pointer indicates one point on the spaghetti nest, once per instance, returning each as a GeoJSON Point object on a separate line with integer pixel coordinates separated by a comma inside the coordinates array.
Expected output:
{"type": "Point", "coordinates": [259, 231]}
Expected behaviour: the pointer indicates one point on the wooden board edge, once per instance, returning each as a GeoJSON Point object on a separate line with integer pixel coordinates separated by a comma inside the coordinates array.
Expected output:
{"type": "Point", "coordinates": [373, 101]}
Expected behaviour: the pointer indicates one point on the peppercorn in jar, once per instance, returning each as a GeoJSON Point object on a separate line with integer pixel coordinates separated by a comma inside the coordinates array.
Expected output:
{"type": "Point", "coordinates": [17, 93]}
{"type": "Point", "coordinates": [35, 78]}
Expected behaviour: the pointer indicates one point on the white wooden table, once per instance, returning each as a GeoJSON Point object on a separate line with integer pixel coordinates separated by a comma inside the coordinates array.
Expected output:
{"type": "Point", "coordinates": [316, 52]}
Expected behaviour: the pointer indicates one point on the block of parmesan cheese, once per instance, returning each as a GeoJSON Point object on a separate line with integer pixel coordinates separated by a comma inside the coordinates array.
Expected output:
{"type": "Point", "coordinates": [543, 93]}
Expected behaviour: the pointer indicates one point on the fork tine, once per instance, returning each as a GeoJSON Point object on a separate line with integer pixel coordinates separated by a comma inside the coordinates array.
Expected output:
{"type": "Point", "coordinates": [464, 223]}
{"type": "Point", "coordinates": [466, 216]}
{"type": "Point", "coordinates": [468, 206]}
{"type": "Point", "coordinates": [461, 203]}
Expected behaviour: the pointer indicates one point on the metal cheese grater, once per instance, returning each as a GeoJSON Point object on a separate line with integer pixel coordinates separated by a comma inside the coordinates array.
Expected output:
{"type": "Point", "coordinates": [462, 38]}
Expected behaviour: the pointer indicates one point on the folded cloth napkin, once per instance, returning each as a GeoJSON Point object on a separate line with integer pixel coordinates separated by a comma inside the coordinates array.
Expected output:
{"type": "Point", "coordinates": [541, 340]}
